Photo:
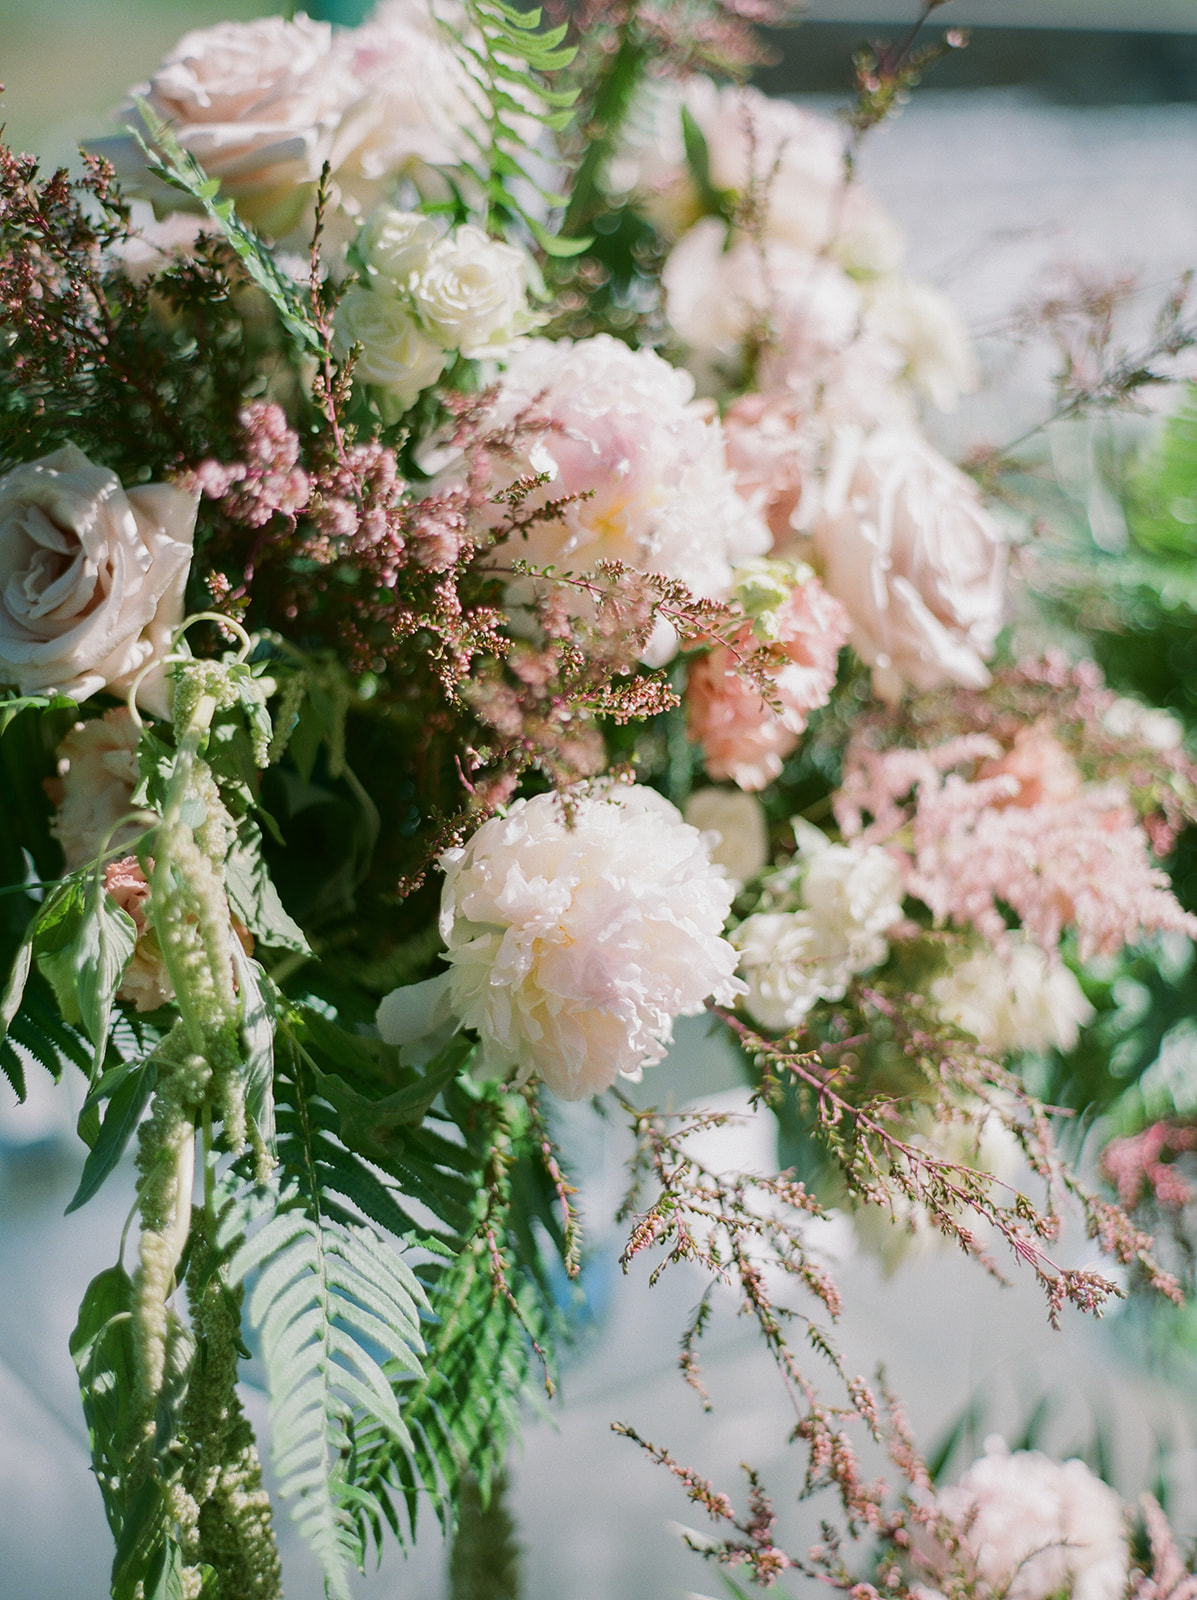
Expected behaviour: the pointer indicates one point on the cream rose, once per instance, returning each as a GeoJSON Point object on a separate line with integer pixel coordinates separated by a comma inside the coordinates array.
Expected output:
{"type": "Point", "coordinates": [259, 104]}
{"type": "Point", "coordinates": [91, 578]}
{"type": "Point", "coordinates": [733, 823]}
{"type": "Point", "coordinates": [396, 353]}
{"type": "Point", "coordinates": [916, 560]}
{"type": "Point", "coordinates": [472, 292]}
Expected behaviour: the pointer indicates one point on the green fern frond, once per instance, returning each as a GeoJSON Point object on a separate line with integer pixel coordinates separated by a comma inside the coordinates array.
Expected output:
{"type": "Point", "coordinates": [510, 59]}
{"type": "Point", "coordinates": [331, 1302]}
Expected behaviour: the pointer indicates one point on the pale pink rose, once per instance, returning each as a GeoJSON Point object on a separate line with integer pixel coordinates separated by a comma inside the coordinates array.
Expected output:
{"type": "Point", "coordinates": [577, 933]}
{"type": "Point", "coordinates": [146, 983]}
{"type": "Point", "coordinates": [418, 105]}
{"type": "Point", "coordinates": [91, 578]}
{"type": "Point", "coordinates": [98, 772]}
{"type": "Point", "coordinates": [620, 427]}
{"type": "Point", "coordinates": [742, 736]}
{"type": "Point", "coordinates": [906, 544]}
{"type": "Point", "coordinates": [800, 316]}
{"type": "Point", "coordinates": [259, 104]}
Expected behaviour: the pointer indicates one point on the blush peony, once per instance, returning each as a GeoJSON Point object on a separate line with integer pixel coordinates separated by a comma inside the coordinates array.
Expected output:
{"type": "Point", "coordinates": [620, 427]}
{"type": "Point", "coordinates": [578, 929]}
{"type": "Point", "coordinates": [1030, 1528]}
{"type": "Point", "coordinates": [917, 561]}
{"type": "Point", "coordinates": [91, 578]}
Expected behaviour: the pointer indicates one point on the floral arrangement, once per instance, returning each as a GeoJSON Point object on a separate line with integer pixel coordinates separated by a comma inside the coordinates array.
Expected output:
{"type": "Point", "coordinates": [475, 588]}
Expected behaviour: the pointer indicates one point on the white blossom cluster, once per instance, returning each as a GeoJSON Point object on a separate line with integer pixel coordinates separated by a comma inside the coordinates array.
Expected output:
{"type": "Point", "coordinates": [848, 898]}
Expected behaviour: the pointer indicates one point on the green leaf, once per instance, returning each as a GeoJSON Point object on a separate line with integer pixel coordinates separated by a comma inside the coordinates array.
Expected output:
{"type": "Point", "coordinates": [259, 1014]}
{"type": "Point", "coordinates": [179, 168]}
{"type": "Point", "coordinates": [123, 1114]}
{"type": "Point", "coordinates": [254, 898]}
{"type": "Point", "coordinates": [83, 947]}
{"type": "Point", "coordinates": [328, 1299]}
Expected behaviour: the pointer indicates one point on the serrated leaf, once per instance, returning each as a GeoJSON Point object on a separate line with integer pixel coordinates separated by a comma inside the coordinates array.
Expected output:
{"type": "Point", "coordinates": [259, 1012]}
{"type": "Point", "coordinates": [254, 898]}
{"type": "Point", "coordinates": [123, 1114]}
{"type": "Point", "coordinates": [83, 949]}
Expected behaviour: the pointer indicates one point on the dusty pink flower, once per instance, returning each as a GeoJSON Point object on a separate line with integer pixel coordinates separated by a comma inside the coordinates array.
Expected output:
{"type": "Point", "coordinates": [743, 737]}
{"type": "Point", "coordinates": [774, 452]}
{"type": "Point", "coordinates": [91, 578]}
{"type": "Point", "coordinates": [98, 772]}
{"type": "Point", "coordinates": [1058, 854]}
{"type": "Point", "coordinates": [146, 983]}
{"type": "Point", "coordinates": [576, 933]}
{"type": "Point", "coordinates": [1029, 1528]}
{"type": "Point", "coordinates": [269, 480]}
{"type": "Point", "coordinates": [258, 103]}
{"type": "Point", "coordinates": [620, 430]}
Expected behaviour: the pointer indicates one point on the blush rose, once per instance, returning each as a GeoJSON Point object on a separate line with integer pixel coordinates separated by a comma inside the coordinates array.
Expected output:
{"type": "Point", "coordinates": [91, 578]}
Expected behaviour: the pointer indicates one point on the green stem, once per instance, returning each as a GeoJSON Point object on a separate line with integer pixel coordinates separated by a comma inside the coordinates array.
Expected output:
{"type": "Point", "coordinates": [209, 1173]}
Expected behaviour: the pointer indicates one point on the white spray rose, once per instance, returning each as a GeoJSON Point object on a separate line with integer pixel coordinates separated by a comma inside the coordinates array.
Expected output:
{"type": "Point", "coordinates": [848, 899]}
{"type": "Point", "coordinates": [91, 578]}
{"type": "Point", "coordinates": [472, 292]}
{"type": "Point", "coordinates": [926, 328]}
{"type": "Point", "coordinates": [914, 557]}
{"type": "Point", "coordinates": [259, 104]}
{"type": "Point", "coordinates": [576, 936]}
{"type": "Point", "coordinates": [735, 822]}
{"type": "Point", "coordinates": [1014, 999]}
{"type": "Point", "coordinates": [97, 774]}
{"type": "Point", "coordinates": [395, 244]}
{"type": "Point", "coordinates": [396, 354]}
{"type": "Point", "coordinates": [1034, 1528]}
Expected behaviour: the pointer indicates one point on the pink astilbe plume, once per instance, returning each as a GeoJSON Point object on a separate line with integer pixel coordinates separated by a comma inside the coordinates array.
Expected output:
{"type": "Point", "coordinates": [1169, 1578]}
{"type": "Point", "coordinates": [743, 737]}
{"type": "Point", "coordinates": [1016, 826]}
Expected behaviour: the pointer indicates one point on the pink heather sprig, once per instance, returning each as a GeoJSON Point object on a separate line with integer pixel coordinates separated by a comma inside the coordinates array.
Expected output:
{"type": "Point", "coordinates": [1170, 1577]}
{"type": "Point", "coordinates": [268, 480]}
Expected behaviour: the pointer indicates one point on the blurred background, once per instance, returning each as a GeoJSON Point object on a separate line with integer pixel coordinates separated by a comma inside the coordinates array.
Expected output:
{"type": "Point", "coordinates": [1062, 141]}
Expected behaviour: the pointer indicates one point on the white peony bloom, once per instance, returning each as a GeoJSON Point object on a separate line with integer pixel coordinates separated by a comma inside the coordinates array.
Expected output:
{"type": "Point", "coordinates": [1034, 1528]}
{"type": "Point", "coordinates": [472, 292]}
{"type": "Point", "coordinates": [396, 354]}
{"type": "Point", "coordinates": [623, 430]}
{"type": "Point", "coordinates": [849, 898]}
{"type": "Point", "coordinates": [91, 578]}
{"type": "Point", "coordinates": [909, 550]}
{"type": "Point", "coordinates": [735, 824]}
{"type": "Point", "coordinates": [1014, 999]}
{"type": "Point", "coordinates": [259, 104]}
{"type": "Point", "coordinates": [576, 932]}
{"type": "Point", "coordinates": [1131, 719]}
{"type": "Point", "coordinates": [97, 774]}
{"type": "Point", "coordinates": [395, 244]}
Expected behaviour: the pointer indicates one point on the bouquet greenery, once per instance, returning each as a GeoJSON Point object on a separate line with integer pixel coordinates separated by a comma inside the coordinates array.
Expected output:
{"type": "Point", "coordinates": [474, 589]}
